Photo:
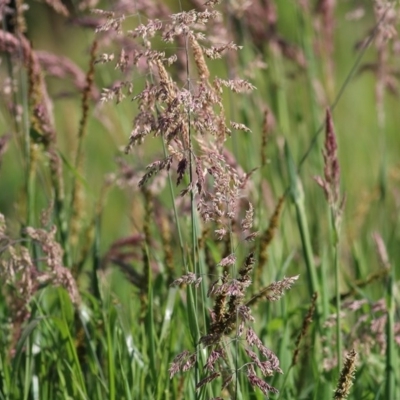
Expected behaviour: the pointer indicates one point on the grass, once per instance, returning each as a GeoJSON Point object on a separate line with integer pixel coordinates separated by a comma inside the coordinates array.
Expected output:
{"type": "Point", "coordinates": [217, 259]}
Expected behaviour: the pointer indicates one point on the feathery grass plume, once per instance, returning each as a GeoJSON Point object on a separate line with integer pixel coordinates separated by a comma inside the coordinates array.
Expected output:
{"type": "Point", "coordinates": [25, 276]}
{"type": "Point", "coordinates": [230, 312]}
{"type": "Point", "coordinates": [274, 291]}
{"type": "Point", "coordinates": [346, 377]}
{"type": "Point", "coordinates": [265, 240]}
{"type": "Point", "coordinates": [306, 323]}
{"type": "Point", "coordinates": [191, 121]}
{"type": "Point", "coordinates": [59, 275]}
{"type": "Point", "coordinates": [113, 22]}
{"type": "Point", "coordinates": [188, 279]}
{"type": "Point", "coordinates": [198, 56]}
{"type": "Point", "coordinates": [18, 273]}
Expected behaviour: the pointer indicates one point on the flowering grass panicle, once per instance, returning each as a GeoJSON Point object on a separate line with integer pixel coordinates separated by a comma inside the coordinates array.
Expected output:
{"type": "Point", "coordinates": [346, 377]}
{"type": "Point", "coordinates": [183, 252]}
{"type": "Point", "coordinates": [190, 118]}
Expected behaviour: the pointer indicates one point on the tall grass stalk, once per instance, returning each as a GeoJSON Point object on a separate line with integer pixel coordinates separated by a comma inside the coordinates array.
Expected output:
{"type": "Point", "coordinates": [338, 305]}
{"type": "Point", "coordinates": [392, 389]}
{"type": "Point", "coordinates": [87, 307]}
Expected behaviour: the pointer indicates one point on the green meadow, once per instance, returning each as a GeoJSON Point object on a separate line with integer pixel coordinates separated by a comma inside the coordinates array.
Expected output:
{"type": "Point", "coordinates": [199, 200]}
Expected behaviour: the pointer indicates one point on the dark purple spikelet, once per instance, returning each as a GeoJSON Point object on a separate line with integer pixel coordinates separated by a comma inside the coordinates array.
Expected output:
{"type": "Point", "coordinates": [182, 166]}
{"type": "Point", "coordinates": [213, 357]}
{"type": "Point", "coordinates": [207, 379]}
{"type": "Point", "coordinates": [182, 362]}
{"type": "Point", "coordinates": [255, 381]}
{"type": "Point", "coordinates": [330, 183]}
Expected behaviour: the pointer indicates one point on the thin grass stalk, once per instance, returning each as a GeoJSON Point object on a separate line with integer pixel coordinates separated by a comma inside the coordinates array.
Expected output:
{"type": "Point", "coordinates": [392, 391]}
{"type": "Point", "coordinates": [91, 344]}
{"type": "Point", "coordinates": [110, 360]}
{"type": "Point", "coordinates": [324, 286]}
{"type": "Point", "coordinates": [78, 383]}
{"type": "Point", "coordinates": [124, 378]}
{"type": "Point", "coordinates": [150, 329]}
{"type": "Point", "coordinates": [192, 310]}
{"type": "Point", "coordinates": [28, 369]}
{"type": "Point", "coordinates": [31, 184]}
{"type": "Point", "coordinates": [30, 161]}
{"type": "Point", "coordinates": [5, 376]}
{"type": "Point", "coordinates": [194, 236]}
{"type": "Point", "coordinates": [339, 345]}
{"type": "Point", "coordinates": [165, 344]}
{"type": "Point", "coordinates": [234, 366]}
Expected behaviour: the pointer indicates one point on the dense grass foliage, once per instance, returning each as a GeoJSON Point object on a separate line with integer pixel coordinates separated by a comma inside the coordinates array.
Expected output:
{"type": "Point", "coordinates": [199, 200]}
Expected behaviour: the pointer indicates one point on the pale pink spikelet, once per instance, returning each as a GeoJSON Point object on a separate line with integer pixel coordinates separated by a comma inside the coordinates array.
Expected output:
{"type": "Point", "coordinates": [228, 261]}
{"type": "Point", "coordinates": [188, 279]}
{"type": "Point", "coordinates": [275, 290]}
{"type": "Point", "coordinates": [381, 250]}
{"type": "Point", "coordinates": [247, 222]}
